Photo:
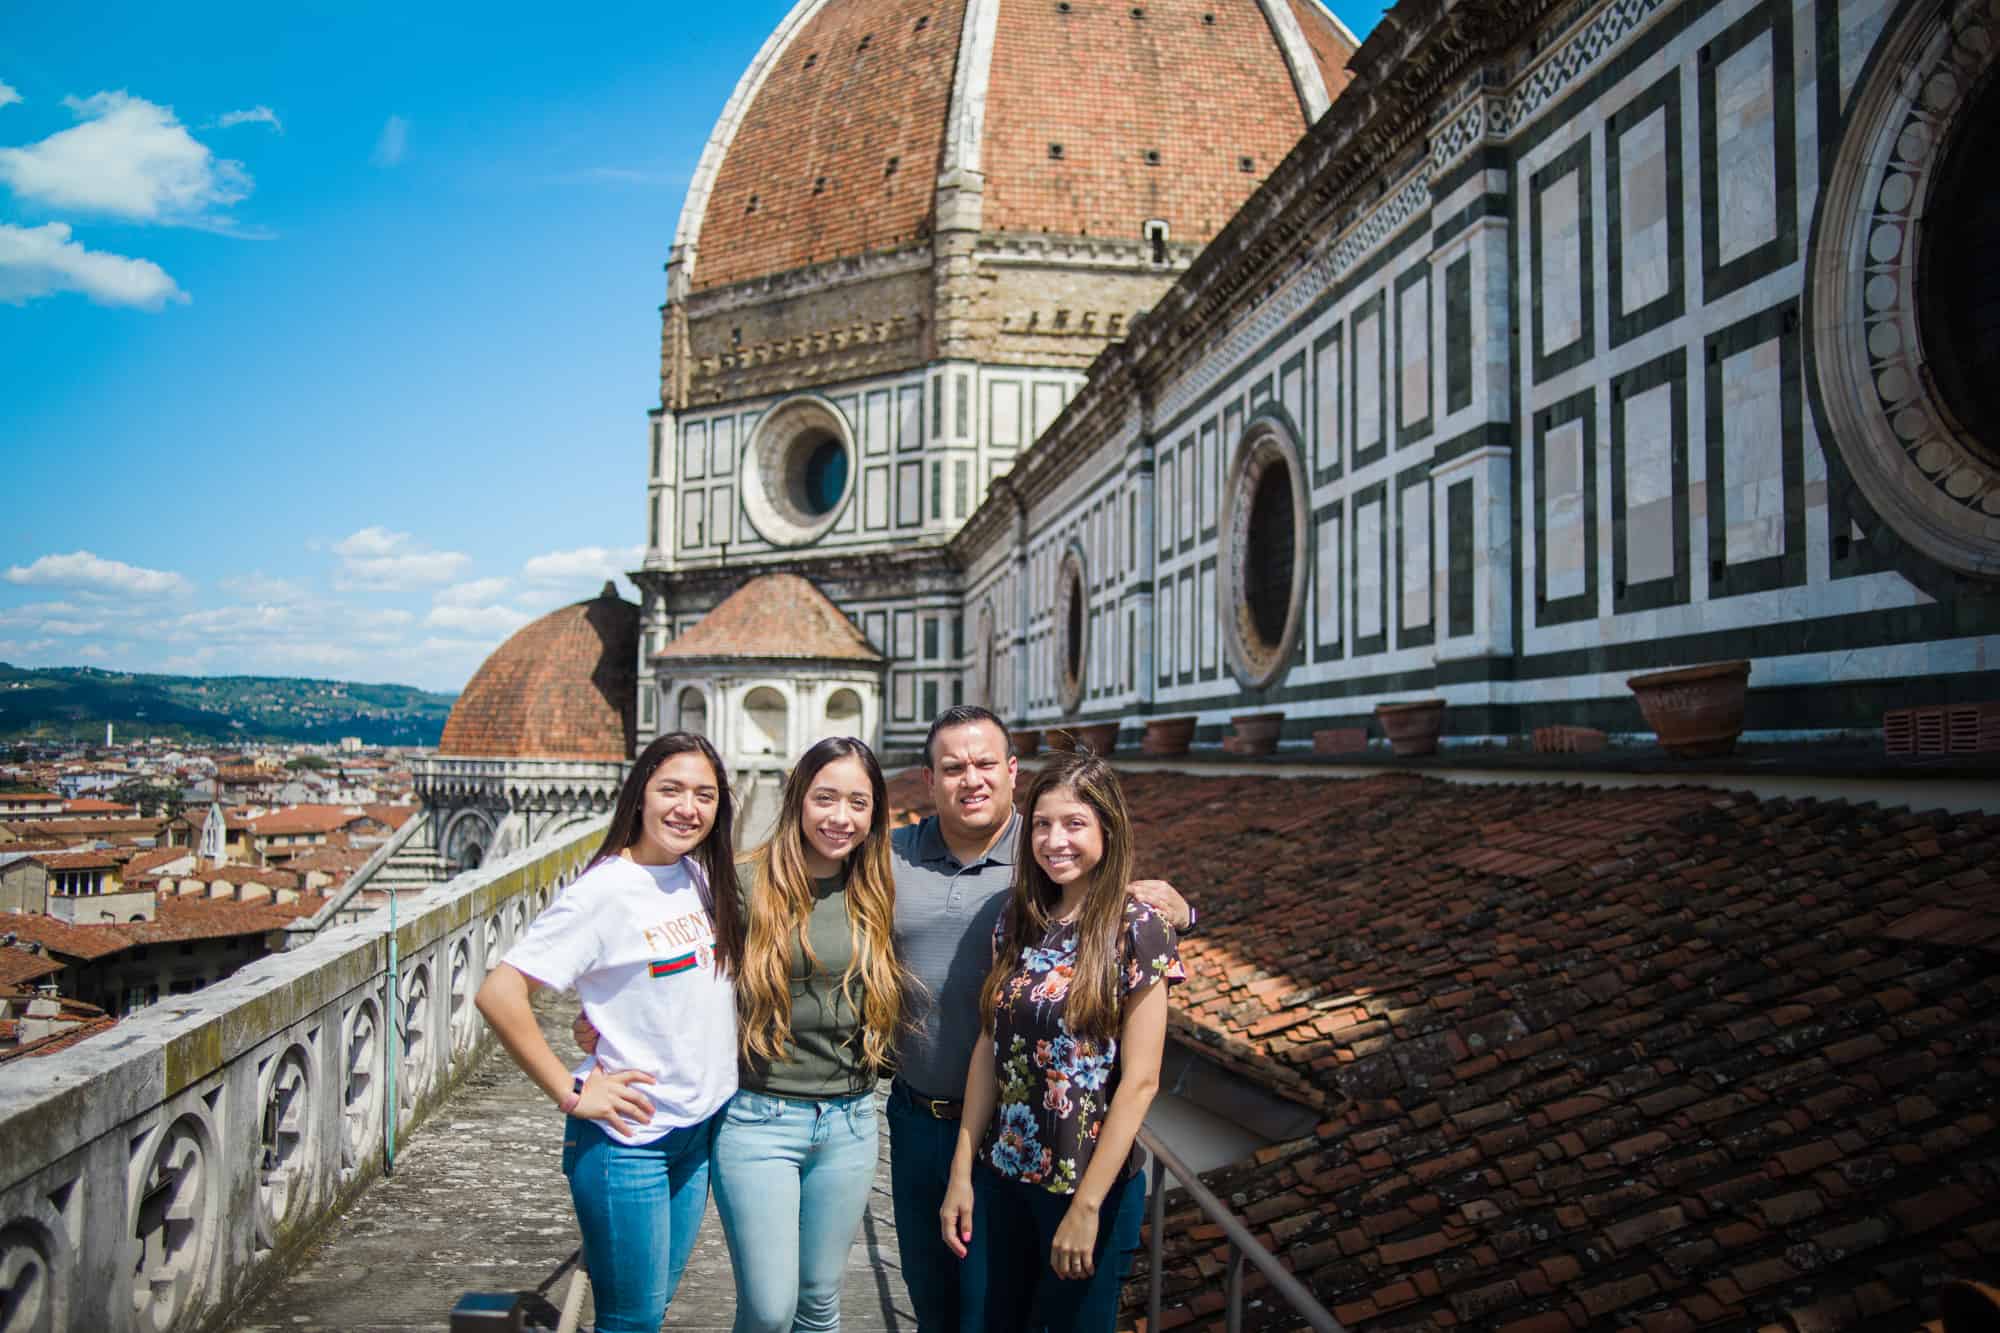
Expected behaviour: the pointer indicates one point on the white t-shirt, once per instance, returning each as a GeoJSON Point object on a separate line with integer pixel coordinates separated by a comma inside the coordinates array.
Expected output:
{"type": "Point", "coordinates": [636, 944]}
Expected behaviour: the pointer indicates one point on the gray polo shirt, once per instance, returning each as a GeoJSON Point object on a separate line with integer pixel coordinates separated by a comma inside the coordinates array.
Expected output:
{"type": "Point", "coordinates": [944, 933]}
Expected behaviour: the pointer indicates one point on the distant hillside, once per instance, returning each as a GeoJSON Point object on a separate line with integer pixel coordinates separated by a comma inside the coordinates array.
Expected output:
{"type": "Point", "coordinates": [64, 703]}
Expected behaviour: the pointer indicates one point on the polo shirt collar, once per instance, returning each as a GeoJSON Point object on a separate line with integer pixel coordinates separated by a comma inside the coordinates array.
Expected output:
{"type": "Point", "coordinates": [1002, 852]}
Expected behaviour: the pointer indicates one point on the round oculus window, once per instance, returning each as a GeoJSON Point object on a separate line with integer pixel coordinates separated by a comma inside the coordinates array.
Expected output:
{"type": "Point", "coordinates": [1264, 509]}
{"type": "Point", "coordinates": [798, 471]}
{"type": "Point", "coordinates": [1072, 621]}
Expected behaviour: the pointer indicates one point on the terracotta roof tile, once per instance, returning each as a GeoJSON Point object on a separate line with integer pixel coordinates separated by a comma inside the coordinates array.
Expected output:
{"type": "Point", "coordinates": [176, 920]}
{"type": "Point", "coordinates": [1643, 1058]}
{"type": "Point", "coordinates": [563, 687]}
{"type": "Point", "coordinates": [775, 616]}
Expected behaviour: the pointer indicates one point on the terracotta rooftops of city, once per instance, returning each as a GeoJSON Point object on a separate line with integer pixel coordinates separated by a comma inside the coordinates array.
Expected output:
{"type": "Point", "coordinates": [775, 616]}
{"type": "Point", "coordinates": [177, 920]}
{"type": "Point", "coordinates": [1642, 1059]}
{"type": "Point", "coordinates": [88, 860]}
{"type": "Point", "coordinates": [299, 819]}
{"type": "Point", "coordinates": [563, 687]}
{"type": "Point", "coordinates": [18, 967]}
{"type": "Point", "coordinates": [1086, 121]}
{"type": "Point", "coordinates": [8, 798]}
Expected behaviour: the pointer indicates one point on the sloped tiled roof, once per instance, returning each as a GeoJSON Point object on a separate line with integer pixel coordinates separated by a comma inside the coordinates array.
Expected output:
{"type": "Point", "coordinates": [305, 819]}
{"type": "Point", "coordinates": [176, 920]}
{"type": "Point", "coordinates": [1639, 1059]}
{"type": "Point", "coordinates": [563, 687]}
{"type": "Point", "coordinates": [19, 967]}
{"type": "Point", "coordinates": [775, 615]}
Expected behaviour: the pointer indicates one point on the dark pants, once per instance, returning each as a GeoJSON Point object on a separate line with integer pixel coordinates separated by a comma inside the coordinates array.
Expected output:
{"type": "Point", "coordinates": [1008, 1284]}
{"type": "Point", "coordinates": [920, 1148]}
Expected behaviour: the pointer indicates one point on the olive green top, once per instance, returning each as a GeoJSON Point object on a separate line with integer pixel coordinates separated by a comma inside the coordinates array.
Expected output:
{"type": "Point", "coordinates": [825, 1058]}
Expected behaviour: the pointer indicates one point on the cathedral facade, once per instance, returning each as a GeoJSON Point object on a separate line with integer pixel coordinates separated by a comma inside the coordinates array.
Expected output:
{"type": "Point", "coordinates": [1555, 343]}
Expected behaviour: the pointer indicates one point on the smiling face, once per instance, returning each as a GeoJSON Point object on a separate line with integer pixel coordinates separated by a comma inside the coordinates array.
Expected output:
{"type": "Point", "coordinates": [1067, 835]}
{"type": "Point", "coordinates": [839, 810]}
{"type": "Point", "coordinates": [678, 812]}
{"type": "Point", "coordinates": [972, 780]}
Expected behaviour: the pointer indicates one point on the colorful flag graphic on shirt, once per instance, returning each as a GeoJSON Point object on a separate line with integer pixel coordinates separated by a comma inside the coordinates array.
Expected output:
{"type": "Point", "coordinates": [667, 967]}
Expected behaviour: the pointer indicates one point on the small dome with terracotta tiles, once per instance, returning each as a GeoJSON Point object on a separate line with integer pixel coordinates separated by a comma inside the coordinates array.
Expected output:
{"type": "Point", "coordinates": [560, 688]}
{"type": "Point", "coordinates": [778, 617]}
{"type": "Point", "coordinates": [1074, 118]}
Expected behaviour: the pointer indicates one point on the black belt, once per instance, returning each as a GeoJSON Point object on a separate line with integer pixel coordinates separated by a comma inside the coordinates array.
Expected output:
{"type": "Point", "coordinates": [942, 1108]}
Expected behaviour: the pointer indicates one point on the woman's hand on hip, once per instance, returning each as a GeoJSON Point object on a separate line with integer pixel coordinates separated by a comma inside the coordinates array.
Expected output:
{"type": "Point", "coordinates": [612, 1099]}
{"type": "Point", "coordinates": [1076, 1242]}
{"type": "Point", "coordinates": [584, 1032]}
{"type": "Point", "coordinates": [955, 1218]}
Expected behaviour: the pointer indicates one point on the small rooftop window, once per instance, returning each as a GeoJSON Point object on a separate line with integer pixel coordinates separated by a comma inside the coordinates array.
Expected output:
{"type": "Point", "coordinates": [751, 207]}
{"type": "Point", "coordinates": [890, 169]}
{"type": "Point", "coordinates": [1055, 152]}
{"type": "Point", "coordinates": [1208, 20]}
{"type": "Point", "coordinates": [1152, 157]}
{"type": "Point", "coordinates": [1246, 164]}
{"type": "Point", "coordinates": [812, 60]}
{"type": "Point", "coordinates": [819, 185]}
{"type": "Point", "coordinates": [867, 40]}
{"type": "Point", "coordinates": [923, 21]}
{"type": "Point", "coordinates": [1137, 12]}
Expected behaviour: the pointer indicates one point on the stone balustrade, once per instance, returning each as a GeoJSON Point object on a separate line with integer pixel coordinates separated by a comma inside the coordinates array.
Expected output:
{"type": "Point", "coordinates": [153, 1173]}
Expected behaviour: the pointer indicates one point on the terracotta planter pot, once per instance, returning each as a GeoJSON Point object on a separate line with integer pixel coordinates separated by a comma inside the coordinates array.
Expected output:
{"type": "Point", "coordinates": [1098, 738]}
{"type": "Point", "coordinates": [1168, 736]}
{"type": "Point", "coordinates": [1027, 741]}
{"type": "Point", "coordinates": [1340, 740]}
{"type": "Point", "coordinates": [1256, 733]}
{"type": "Point", "coordinates": [1697, 712]}
{"type": "Point", "coordinates": [1412, 728]}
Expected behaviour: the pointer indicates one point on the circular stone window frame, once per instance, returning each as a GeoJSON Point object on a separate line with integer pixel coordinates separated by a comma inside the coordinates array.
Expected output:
{"type": "Point", "coordinates": [764, 473]}
{"type": "Point", "coordinates": [1911, 462]}
{"type": "Point", "coordinates": [1269, 439]}
{"type": "Point", "coordinates": [1072, 590]}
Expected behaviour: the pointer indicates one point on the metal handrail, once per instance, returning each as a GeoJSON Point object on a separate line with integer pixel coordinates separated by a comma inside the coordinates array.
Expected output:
{"type": "Point", "coordinates": [1242, 1246]}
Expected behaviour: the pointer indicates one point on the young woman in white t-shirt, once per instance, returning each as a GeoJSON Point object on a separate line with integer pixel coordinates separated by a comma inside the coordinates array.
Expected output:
{"type": "Point", "coordinates": [650, 937]}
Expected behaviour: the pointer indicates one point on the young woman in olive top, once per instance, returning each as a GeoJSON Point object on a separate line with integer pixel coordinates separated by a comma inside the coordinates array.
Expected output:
{"type": "Point", "coordinates": [819, 999]}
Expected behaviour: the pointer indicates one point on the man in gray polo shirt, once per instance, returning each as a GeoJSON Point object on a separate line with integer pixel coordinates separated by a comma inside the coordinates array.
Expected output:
{"type": "Point", "coordinates": [953, 872]}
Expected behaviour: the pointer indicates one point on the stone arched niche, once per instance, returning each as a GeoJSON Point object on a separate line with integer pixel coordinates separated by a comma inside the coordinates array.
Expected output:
{"type": "Point", "coordinates": [844, 713]}
{"type": "Point", "coordinates": [691, 711]}
{"type": "Point", "coordinates": [1263, 552]}
{"type": "Point", "coordinates": [765, 719]}
{"type": "Point", "coordinates": [797, 471]}
{"type": "Point", "coordinates": [1903, 297]}
{"type": "Point", "coordinates": [1072, 637]}
{"type": "Point", "coordinates": [467, 841]}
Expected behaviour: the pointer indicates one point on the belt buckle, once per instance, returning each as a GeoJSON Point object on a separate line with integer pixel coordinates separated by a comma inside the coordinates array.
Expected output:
{"type": "Point", "coordinates": [933, 1104]}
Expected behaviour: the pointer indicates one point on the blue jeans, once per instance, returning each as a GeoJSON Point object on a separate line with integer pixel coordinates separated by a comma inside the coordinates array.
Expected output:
{"type": "Point", "coordinates": [638, 1208]}
{"type": "Point", "coordinates": [791, 1183]}
{"type": "Point", "coordinates": [920, 1148]}
{"type": "Point", "coordinates": [1008, 1284]}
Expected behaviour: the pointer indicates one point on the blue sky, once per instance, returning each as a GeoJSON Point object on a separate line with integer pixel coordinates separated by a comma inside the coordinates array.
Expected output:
{"type": "Point", "coordinates": [329, 330]}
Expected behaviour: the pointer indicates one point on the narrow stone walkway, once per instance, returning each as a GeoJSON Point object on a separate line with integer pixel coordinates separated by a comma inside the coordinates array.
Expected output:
{"type": "Point", "coordinates": [478, 1203]}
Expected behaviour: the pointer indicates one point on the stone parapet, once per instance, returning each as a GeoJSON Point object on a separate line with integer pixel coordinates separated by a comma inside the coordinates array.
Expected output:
{"type": "Point", "coordinates": [156, 1173]}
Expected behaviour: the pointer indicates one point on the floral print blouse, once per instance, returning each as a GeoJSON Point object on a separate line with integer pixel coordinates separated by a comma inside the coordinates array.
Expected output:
{"type": "Point", "coordinates": [1054, 1086]}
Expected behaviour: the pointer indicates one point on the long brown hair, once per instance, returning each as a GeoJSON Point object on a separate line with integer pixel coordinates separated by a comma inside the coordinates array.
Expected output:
{"type": "Point", "coordinates": [781, 900]}
{"type": "Point", "coordinates": [716, 855]}
{"type": "Point", "coordinates": [1094, 1007]}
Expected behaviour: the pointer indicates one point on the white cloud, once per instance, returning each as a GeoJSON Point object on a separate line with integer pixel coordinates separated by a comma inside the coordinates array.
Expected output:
{"type": "Point", "coordinates": [41, 261]}
{"type": "Point", "coordinates": [477, 592]}
{"type": "Point", "coordinates": [81, 569]}
{"type": "Point", "coordinates": [476, 619]}
{"type": "Point", "coordinates": [377, 560]}
{"type": "Point", "coordinates": [258, 587]}
{"type": "Point", "coordinates": [7, 95]}
{"type": "Point", "coordinates": [129, 158]}
{"type": "Point", "coordinates": [72, 629]}
{"type": "Point", "coordinates": [256, 115]}
{"type": "Point", "coordinates": [93, 651]}
{"type": "Point", "coordinates": [17, 648]}
{"type": "Point", "coordinates": [392, 143]}
{"type": "Point", "coordinates": [595, 563]}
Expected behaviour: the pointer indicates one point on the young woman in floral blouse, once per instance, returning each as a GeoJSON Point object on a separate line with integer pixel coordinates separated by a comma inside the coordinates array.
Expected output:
{"type": "Point", "coordinates": [1046, 1198]}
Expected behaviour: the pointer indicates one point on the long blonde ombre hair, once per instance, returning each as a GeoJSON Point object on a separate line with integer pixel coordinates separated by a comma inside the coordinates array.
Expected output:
{"type": "Point", "coordinates": [1094, 1008]}
{"type": "Point", "coordinates": [781, 901]}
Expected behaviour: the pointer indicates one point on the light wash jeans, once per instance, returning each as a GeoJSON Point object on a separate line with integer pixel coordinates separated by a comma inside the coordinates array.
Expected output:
{"type": "Point", "coordinates": [638, 1208]}
{"type": "Point", "coordinates": [791, 1183]}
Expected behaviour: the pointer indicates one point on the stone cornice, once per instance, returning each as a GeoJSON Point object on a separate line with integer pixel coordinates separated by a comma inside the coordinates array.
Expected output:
{"type": "Point", "coordinates": [810, 278]}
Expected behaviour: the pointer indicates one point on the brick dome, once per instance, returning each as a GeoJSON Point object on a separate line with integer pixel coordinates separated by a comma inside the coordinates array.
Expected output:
{"type": "Point", "coordinates": [560, 688]}
{"type": "Point", "coordinates": [1084, 118]}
